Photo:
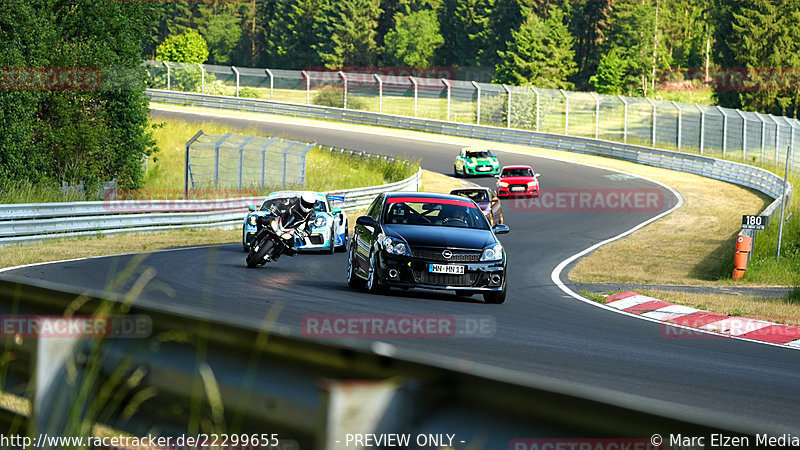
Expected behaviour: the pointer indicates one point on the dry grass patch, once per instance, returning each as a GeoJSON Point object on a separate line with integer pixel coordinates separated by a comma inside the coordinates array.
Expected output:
{"type": "Point", "coordinates": [779, 310]}
{"type": "Point", "coordinates": [693, 245]}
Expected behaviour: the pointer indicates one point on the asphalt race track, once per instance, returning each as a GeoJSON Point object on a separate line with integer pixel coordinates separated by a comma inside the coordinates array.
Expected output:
{"type": "Point", "coordinates": [539, 330]}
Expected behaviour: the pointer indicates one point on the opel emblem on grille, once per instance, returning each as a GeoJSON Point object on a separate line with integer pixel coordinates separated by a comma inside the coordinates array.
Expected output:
{"type": "Point", "coordinates": [447, 254]}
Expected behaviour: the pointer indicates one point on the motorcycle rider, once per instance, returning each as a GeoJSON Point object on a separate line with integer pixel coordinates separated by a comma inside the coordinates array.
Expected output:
{"type": "Point", "coordinates": [299, 211]}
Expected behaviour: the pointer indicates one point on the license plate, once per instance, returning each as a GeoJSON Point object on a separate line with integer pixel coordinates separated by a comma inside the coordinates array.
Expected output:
{"type": "Point", "coordinates": [484, 168]}
{"type": "Point", "coordinates": [446, 268]}
{"type": "Point", "coordinates": [518, 189]}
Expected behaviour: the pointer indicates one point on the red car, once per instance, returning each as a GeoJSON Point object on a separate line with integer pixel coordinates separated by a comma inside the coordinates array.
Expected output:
{"type": "Point", "coordinates": [487, 201]}
{"type": "Point", "coordinates": [517, 181]}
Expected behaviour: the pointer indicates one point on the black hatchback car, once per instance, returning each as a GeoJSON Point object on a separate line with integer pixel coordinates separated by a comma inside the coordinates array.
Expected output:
{"type": "Point", "coordinates": [432, 241]}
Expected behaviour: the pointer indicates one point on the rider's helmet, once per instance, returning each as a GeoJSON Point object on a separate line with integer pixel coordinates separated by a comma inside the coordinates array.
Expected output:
{"type": "Point", "coordinates": [307, 201]}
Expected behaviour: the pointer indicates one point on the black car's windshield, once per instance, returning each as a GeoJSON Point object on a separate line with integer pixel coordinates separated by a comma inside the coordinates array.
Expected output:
{"type": "Point", "coordinates": [478, 195]}
{"type": "Point", "coordinates": [281, 203]}
{"type": "Point", "coordinates": [479, 154]}
{"type": "Point", "coordinates": [445, 213]}
{"type": "Point", "coordinates": [521, 172]}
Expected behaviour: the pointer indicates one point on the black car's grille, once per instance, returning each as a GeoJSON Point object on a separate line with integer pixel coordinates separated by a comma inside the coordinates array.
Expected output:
{"type": "Point", "coordinates": [436, 255]}
{"type": "Point", "coordinates": [441, 279]}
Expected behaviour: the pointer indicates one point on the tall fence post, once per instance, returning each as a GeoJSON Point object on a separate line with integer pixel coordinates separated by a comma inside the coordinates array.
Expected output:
{"type": "Point", "coordinates": [304, 74]}
{"type": "Point", "coordinates": [217, 145]}
{"type": "Point", "coordinates": [596, 115]}
{"type": "Point", "coordinates": [447, 84]}
{"type": "Point", "coordinates": [680, 123]}
{"type": "Point", "coordinates": [724, 131]}
{"type": "Point", "coordinates": [783, 201]}
{"type": "Point", "coordinates": [763, 136]}
{"type": "Point", "coordinates": [625, 126]}
{"type": "Point", "coordinates": [186, 164]}
{"type": "Point", "coordinates": [271, 82]}
{"type": "Point", "coordinates": [264, 149]}
{"type": "Point", "coordinates": [202, 78]}
{"type": "Point", "coordinates": [744, 134]}
{"type": "Point", "coordinates": [478, 115]}
{"type": "Point", "coordinates": [566, 111]}
{"type": "Point", "coordinates": [508, 106]}
{"type": "Point", "coordinates": [344, 81]}
{"type": "Point", "coordinates": [654, 120]}
{"type": "Point", "coordinates": [414, 82]}
{"type": "Point", "coordinates": [380, 92]}
{"type": "Point", "coordinates": [241, 158]}
{"type": "Point", "coordinates": [301, 177]}
{"type": "Point", "coordinates": [702, 127]}
{"type": "Point", "coordinates": [236, 71]}
{"type": "Point", "coordinates": [777, 135]}
{"type": "Point", "coordinates": [536, 91]}
{"type": "Point", "coordinates": [168, 75]}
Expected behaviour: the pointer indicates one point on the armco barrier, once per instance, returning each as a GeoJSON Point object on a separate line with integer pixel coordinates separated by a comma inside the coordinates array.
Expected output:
{"type": "Point", "coordinates": [32, 222]}
{"type": "Point", "coordinates": [191, 372]}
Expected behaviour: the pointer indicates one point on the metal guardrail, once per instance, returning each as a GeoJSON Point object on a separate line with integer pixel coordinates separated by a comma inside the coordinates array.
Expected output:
{"type": "Point", "coordinates": [33, 222]}
{"type": "Point", "coordinates": [187, 373]}
{"type": "Point", "coordinates": [742, 174]}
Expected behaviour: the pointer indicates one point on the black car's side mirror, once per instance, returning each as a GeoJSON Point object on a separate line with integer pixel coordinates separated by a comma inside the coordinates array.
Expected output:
{"type": "Point", "coordinates": [501, 228]}
{"type": "Point", "coordinates": [367, 221]}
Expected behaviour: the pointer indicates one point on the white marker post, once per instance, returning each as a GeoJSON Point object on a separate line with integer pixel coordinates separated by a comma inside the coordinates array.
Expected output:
{"type": "Point", "coordinates": [783, 201]}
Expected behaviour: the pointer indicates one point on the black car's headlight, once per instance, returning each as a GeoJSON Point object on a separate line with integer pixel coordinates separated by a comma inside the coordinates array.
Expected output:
{"type": "Point", "coordinates": [493, 252]}
{"type": "Point", "coordinates": [395, 246]}
{"type": "Point", "coordinates": [252, 220]}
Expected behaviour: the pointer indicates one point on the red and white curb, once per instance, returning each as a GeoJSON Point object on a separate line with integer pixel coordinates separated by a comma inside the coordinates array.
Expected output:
{"type": "Point", "coordinates": [740, 327]}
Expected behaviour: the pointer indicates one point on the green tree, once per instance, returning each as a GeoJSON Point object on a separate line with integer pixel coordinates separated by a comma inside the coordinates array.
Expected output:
{"type": "Point", "coordinates": [414, 39]}
{"type": "Point", "coordinates": [346, 32]}
{"type": "Point", "coordinates": [589, 24]}
{"type": "Point", "coordinates": [465, 28]}
{"type": "Point", "coordinates": [760, 36]}
{"type": "Point", "coordinates": [222, 33]}
{"type": "Point", "coordinates": [612, 74]}
{"type": "Point", "coordinates": [187, 47]}
{"type": "Point", "coordinates": [289, 33]}
{"type": "Point", "coordinates": [540, 54]}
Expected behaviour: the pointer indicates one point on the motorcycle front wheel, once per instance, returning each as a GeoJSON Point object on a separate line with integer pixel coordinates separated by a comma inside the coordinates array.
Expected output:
{"type": "Point", "coordinates": [256, 258]}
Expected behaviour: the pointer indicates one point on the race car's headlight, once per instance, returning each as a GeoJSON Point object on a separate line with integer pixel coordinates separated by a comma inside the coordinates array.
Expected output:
{"type": "Point", "coordinates": [493, 252]}
{"type": "Point", "coordinates": [252, 220]}
{"type": "Point", "coordinates": [532, 183]}
{"type": "Point", "coordinates": [319, 222]}
{"type": "Point", "coordinates": [471, 162]}
{"type": "Point", "coordinates": [286, 236]}
{"type": "Point", "coordinates": [495, 163]}
{"type": "Point", "coordinates": [274, 224]}
{"type": "Point", "coordinates": [503, 183]}
{"type": "Point", "coordinates": [395, 246]}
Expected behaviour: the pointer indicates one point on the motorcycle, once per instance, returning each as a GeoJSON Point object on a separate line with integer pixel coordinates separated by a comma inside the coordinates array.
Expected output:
{"type": "Point", "coordinates": [273, 239]}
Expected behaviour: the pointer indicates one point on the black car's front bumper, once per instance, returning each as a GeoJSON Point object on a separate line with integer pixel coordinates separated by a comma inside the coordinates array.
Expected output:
{"type": "Point", "coordinates": [413, 272]}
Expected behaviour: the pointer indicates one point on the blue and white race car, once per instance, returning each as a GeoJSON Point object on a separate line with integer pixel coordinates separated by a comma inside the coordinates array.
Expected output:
{"type": "Point", "coordinates": [328, 232]}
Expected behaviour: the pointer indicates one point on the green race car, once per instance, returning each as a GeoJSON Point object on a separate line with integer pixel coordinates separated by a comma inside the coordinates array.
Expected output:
{"type": "Point", "coordinates": [476, 161]}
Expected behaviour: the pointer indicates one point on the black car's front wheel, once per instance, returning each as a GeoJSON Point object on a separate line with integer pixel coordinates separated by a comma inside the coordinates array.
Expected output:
{"type": "Point", "coordinates": [353, 280]}
{"type": "Point", "coordinates": [373, 277]}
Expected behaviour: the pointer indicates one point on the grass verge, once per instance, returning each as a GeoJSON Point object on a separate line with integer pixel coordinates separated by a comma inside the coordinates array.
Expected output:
{"type": "Point", "coordinates": [324, 171]}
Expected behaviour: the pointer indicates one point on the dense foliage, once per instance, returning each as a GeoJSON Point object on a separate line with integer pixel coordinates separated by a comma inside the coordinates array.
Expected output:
{"type": "Point", "coordinates": [72, 97]}
{"type": "Point", "coordinates": [611, 46]}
